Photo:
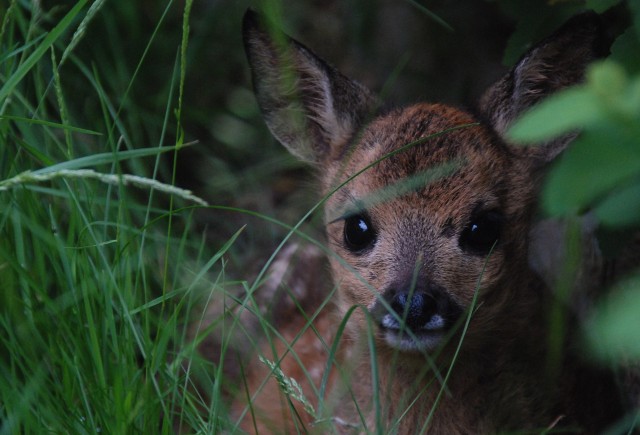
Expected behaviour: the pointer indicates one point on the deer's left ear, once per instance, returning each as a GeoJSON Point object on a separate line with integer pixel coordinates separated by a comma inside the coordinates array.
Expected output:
{"type": "Point", "coordinates": [308, 105]}
{"type": "Point", "coordinates": [554, 64]}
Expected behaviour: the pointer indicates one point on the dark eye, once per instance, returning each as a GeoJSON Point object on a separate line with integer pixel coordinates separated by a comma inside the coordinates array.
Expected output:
{"type": "Point", "coordinates": [482, 232]}
{"type": "Point", "coordinates": [358, 232]}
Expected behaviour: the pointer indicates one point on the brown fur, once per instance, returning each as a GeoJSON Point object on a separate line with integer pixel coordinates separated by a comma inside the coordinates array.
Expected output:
{"type": "Point", "coordinates": [503, 376]}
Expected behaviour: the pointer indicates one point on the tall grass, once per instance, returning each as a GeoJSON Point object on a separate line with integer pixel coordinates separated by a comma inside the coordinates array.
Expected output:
{"type": "Point", "coordinates": [94, 252]}
{"type": "Point", "coordinates": [105, 272]}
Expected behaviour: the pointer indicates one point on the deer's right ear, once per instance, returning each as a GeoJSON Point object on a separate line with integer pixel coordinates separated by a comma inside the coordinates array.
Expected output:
{"type": "Point", "coordinates": [553, 64]}
{"type": "Point", "coordinates": [310, 107]}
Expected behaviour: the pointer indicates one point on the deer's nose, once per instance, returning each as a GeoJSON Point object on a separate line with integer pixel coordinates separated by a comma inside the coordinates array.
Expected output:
{"type": "Point", "coordinates": [416, 310]}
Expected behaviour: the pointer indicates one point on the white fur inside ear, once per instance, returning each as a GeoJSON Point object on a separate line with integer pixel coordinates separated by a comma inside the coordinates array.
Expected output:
{"type": "Point", "coordinates": [303, 99]}
{"type": "Point", "coordinates": [337, 128]}
{"type": "Point", "coordinates": [288, 125]}
{"type": "Point", "coordinates": [310, 107]}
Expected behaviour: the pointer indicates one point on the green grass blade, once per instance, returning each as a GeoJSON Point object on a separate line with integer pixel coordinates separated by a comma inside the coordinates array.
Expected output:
{"type": "Point", "coordinates": [50, 124]}
{"type": "Point", "coordinates": [104, 158]}
{"type": "Point", "coordinates": [41, 49]}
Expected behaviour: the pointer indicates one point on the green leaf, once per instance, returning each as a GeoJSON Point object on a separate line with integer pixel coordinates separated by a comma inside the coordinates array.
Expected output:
{"type": "Point", "coordinates": [607, 79]}
{"type": "Point", "coordinates": [596, 162]}
{"type": "Point", "coordinates": [613, 330]}
{"type": "Point", "coordinates": [620, 209]}
{"type": "Point", "coordinates": [635, 13]}
{"type": "Point", "coordinates": [625, 50]}
{"type": "Point", "coordinates": [601, 5]}
{"type": "Point", "coordinates": [608, 97]}
{"type": "Point", "coordinates": [559, 114]}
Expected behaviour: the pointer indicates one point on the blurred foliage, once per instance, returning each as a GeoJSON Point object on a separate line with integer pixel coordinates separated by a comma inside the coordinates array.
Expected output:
{"type": "Point", "coordinates": [600, 172]}
{"type": "Point", "coordinates": [613, 331]}
{"type": "Point", "coordinates": [602, 166]}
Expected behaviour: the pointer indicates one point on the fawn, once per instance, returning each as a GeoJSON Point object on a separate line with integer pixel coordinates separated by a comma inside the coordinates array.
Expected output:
{"type": "Point", "coordinates": [429, 213]}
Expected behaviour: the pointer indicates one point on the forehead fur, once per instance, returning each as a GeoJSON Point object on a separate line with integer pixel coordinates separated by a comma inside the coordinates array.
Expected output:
{"type": "Point", "coordinates": [442, 136]}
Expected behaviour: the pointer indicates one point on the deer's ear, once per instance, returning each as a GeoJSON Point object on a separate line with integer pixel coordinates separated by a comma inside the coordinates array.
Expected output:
{"type": "Point", "coordinates": [554, 64]}
{"type": "Point", "coordinates": [310, 107]}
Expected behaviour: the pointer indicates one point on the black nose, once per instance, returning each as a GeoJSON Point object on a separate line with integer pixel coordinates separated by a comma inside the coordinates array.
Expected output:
{"type": "Point", "coordinates": [415, 309]}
